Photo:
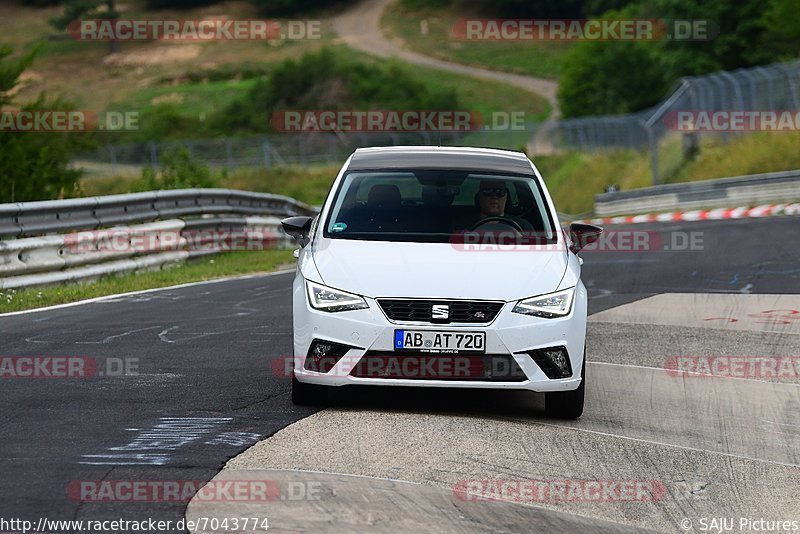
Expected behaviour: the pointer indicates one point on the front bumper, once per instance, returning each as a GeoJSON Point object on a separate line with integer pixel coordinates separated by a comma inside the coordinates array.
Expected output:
{"type": "Point", "coordinates": [370, 332]}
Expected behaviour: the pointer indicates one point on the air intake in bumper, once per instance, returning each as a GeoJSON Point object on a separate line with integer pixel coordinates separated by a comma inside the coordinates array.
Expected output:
{"type": "Point", "coordinates": [426, 366]}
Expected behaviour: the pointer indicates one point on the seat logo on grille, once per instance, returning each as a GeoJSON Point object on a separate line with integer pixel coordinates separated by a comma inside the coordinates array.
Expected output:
{"type": "Point", "coordinates": [440, 311]}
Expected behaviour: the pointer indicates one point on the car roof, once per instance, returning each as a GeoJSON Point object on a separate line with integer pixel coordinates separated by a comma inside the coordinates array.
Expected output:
{"type": "Point", "coordinates": [441, 158]}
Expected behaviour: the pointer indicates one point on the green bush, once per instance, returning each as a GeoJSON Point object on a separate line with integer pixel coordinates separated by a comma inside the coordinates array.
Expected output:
{"type": "Point", "coordinates": [35, 165]}
{"type": "Point", "coordinates": [165, 121]}
{"type": "Point", "coordinates": [291, 7]}
{"type": "Point", "coordinates": [177, 170]}
{"type": "Point", "coordinates": [179, 4]}
{"type": "Point", "coordinates": [330, 80]}
{"type": "Point", "coordinates": [607, 78]}
{"type": "Point", "coordinates": [226, 72]}
{"type": "Point", "coordinates": [422, 4]}
{"type": "Point", "coordinates": [40, 3]}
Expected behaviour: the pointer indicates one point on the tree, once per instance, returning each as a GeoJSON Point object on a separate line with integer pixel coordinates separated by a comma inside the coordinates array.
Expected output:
{"type": "Point", "coordinates": [177, 171]}
{"type": "Point", "coordinates": [609, 78]}
{"type": "Point", "coordinates": [290, 7]}
{"type": "Point", "coordinates": [330, 80]}
{"type": "Point", "coordinates": [75, 10]}
{"type": "Point", "coordinates": [781, 30]}
{"type": "Point", "coordinates": [40, 3]}
{"type": "Point", "coordinates": [10, 71]}
{"type": "Point", "coordinates": [33, 165]}
{"type": "Point", "coordinates": [738, 45]}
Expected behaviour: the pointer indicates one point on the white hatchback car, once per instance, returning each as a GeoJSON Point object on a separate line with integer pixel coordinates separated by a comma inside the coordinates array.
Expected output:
{"type": "Point", "coordinates": [440, 267]}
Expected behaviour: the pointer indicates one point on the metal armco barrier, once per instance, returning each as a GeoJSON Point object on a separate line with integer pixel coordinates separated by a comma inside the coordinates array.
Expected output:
{"type": "Point", "coordinates": [723, 193]}
{"type": "Point", "coordinates": [101, 237]}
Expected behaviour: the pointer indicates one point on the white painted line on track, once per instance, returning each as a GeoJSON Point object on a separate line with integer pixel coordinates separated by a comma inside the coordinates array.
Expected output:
{"type": "Point", "coordinates": [651, 442]}
{"type": "Point", "coordinates": [144, 291]}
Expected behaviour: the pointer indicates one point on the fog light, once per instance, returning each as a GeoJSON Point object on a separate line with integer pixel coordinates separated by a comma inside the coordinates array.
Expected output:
{"type": "Point", "coordinates": [559, 358]}
{"type": "Point", "coordinates": [554, 362]}
{"type": "Point", "coordinates": [324, 355]}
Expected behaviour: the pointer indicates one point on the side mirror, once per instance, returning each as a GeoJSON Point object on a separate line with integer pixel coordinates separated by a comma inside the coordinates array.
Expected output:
{"type": "Point", "coordinates": [298, 227]}
{"type": "Point", "coordinates": [583, 234]}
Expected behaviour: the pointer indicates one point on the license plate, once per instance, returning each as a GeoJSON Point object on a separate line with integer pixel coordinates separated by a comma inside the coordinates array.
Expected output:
{"type": "Point", "coordinates": [437, 341]}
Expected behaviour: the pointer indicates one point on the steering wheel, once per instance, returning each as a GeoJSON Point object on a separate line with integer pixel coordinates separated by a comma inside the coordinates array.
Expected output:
{"type": "Point", "coordinates": [510, 222]}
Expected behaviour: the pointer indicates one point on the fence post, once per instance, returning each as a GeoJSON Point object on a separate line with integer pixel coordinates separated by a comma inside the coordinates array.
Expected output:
{"type": "Point", "coordinates": [153, 156]}
{"type": "Point", "coordinates": [229, 153]}
{"type": "Point", "coordinates": [770, 90]}
{"type": "Point", "coordinates": [651, 139]}
{"type": "Point", "coordinates": [723, 97]}
{"type": "Point", "coordinates": [734, 84]}
{"type": "Point", "coordinates": [793, 86]}
{"type": "Point", "coordinates": [113, 153]}
{"type": "Point", "coordinates": [691, 141]}
{"type": "Point", "coordinates": [301, 141]}
{"type": "Point", "coordinates": [267, 156]}
{"type": "Point", "coordinates": [334, 150]}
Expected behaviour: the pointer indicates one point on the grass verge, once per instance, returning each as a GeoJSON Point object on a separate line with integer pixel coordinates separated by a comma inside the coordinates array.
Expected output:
{"type": "Point", "coordinates": [575, 178]}
{"type": "Point", "coordinates": [429, 31]}
{"type": "Point", "coordinates": [218, 266]}
{"type": "Point", "coordinates": [84, 72]}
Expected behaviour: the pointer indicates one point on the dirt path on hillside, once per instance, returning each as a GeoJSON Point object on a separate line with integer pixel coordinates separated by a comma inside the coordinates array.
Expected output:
{"type": "Point", "coordinates": [360, 28]}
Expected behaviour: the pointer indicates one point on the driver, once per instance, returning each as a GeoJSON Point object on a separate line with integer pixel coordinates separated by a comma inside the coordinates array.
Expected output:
{"type": "Point", "coordinates": [491, 202]}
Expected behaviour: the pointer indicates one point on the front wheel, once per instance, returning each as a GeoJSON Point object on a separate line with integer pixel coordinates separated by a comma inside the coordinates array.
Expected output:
{"type": "Point", "coordinates": [566, 404]}
{"type": "Point", "coordinates": [308, 394]}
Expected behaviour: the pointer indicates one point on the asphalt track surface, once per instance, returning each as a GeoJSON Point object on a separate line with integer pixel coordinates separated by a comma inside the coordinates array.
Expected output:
{"type": "Point", "coordinates": [208, 386]}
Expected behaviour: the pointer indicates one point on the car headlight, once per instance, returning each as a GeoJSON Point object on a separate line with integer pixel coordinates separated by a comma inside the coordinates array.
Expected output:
{"type": "Point", "coordinates": [556, 304]}
{"type": "Point", "coordinates": [327, 299]}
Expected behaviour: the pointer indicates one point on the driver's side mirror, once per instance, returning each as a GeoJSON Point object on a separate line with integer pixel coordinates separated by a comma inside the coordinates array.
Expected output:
{"type": "Point", "coordinates": [583, 234]}
{"type": "Point", "coordinates": [298, 227]}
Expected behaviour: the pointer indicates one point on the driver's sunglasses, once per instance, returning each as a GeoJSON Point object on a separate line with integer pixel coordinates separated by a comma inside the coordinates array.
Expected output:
{"type": "Point", "coordinates": [498, 192]}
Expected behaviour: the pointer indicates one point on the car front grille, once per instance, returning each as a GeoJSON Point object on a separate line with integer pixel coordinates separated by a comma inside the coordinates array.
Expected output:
{"type": "Point", "coordinates": [457, 311]}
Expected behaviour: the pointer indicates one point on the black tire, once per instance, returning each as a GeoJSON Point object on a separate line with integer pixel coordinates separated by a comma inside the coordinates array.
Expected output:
{"type": "Point", "coordinates": [566, 404]}
{"type": "Point", "coordinates": [308, 394]}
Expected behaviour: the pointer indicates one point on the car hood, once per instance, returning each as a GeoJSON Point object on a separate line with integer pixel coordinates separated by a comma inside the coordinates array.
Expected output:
{"type": "Point", "coordinates": [437, 270]}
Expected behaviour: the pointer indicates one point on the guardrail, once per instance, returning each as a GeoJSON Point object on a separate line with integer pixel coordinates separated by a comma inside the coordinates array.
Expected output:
{"type": "Point", "coordinates": [102, 239]}
{"type": "Point", "coordinates": [723, 193]}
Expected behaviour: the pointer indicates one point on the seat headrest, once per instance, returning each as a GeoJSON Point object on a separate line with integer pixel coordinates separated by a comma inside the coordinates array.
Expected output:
{"type": "Point", "coordinates": [384, 196]}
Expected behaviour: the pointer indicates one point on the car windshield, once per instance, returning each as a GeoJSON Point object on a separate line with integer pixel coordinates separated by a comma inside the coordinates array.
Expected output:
{"type": "Point", "coordinates": [433, 206]}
